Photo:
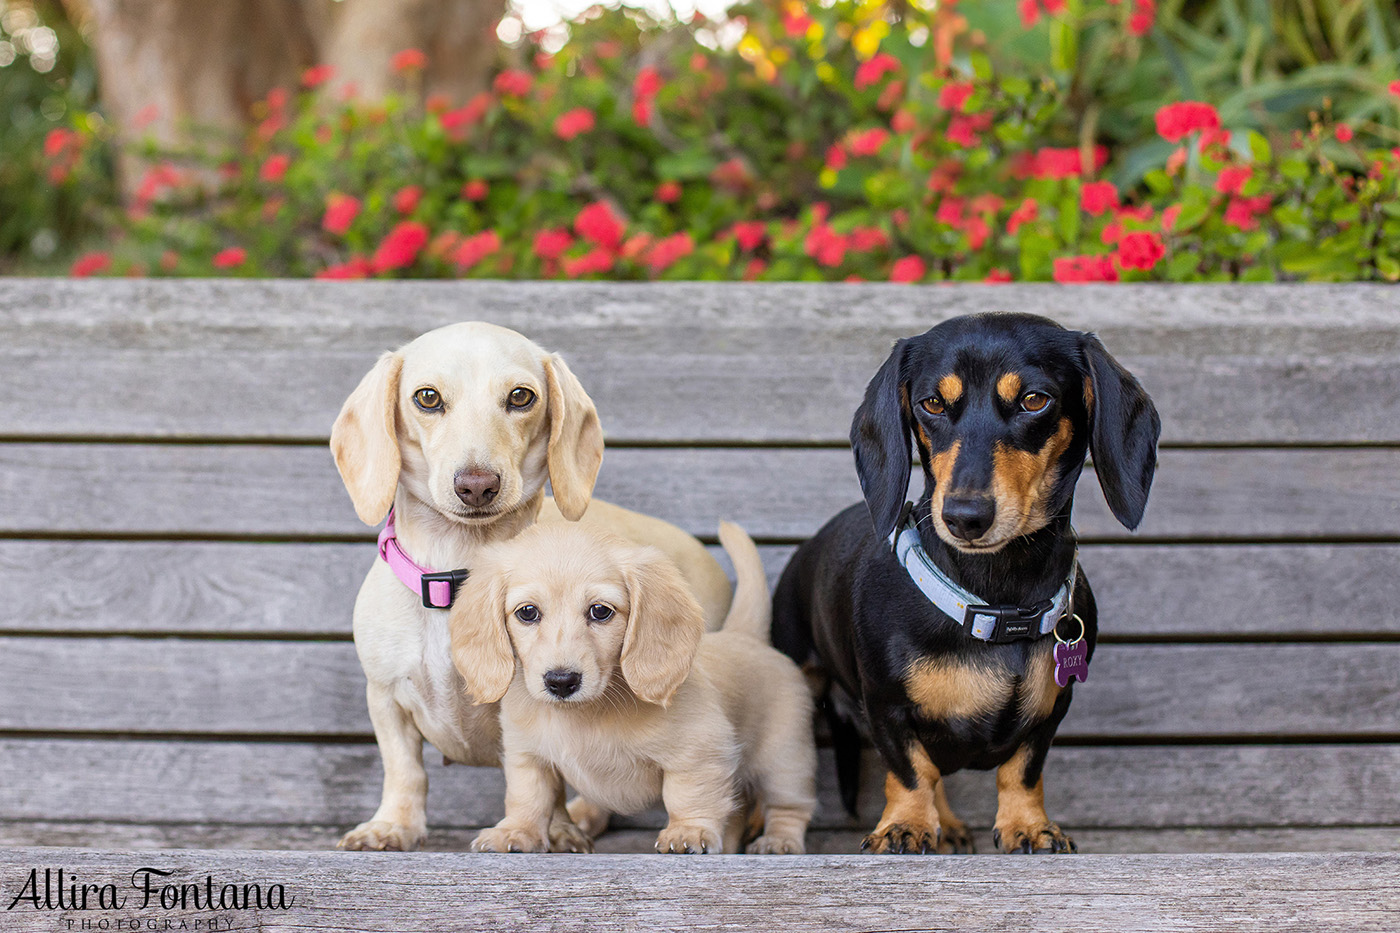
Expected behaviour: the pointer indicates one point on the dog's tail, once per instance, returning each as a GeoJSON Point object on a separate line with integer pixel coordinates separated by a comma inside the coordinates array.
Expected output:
{"type": "Point", "coordinates": [751, 612]}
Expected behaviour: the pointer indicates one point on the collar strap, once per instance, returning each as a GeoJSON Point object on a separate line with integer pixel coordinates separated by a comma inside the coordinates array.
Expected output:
{"type": "Point", "coordinates": [438, 589]}
{"type": "Point", "coordinates": [996, 624]}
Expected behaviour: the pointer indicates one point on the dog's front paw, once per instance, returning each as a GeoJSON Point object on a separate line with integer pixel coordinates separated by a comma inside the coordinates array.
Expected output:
{"type": "Point", "coordinates": [382, 836]}
{"type": "Point", "coordinates": [1027, 838]}
{"type": "Point", "coordinates": [903, 839]}
{"type": "Point", "coordinates": [509, 839]}
{"type": "Point", "coordinates": [689, 838]}
{"type": "Point", "coordinates": [776, 844]}
{"type": "Point", "coordinates": [566, 836]}
{"type": "Point", "coordinates": [956, 839]}
{"type": "Point", "coordinates": [589, 817]}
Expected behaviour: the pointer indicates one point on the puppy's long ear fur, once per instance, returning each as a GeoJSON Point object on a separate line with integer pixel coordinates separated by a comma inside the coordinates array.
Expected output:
{"type": "Point", "coordinates": [575, 440]}
{"type": "Point", "coordinates": [481, 647]}
{"type": "Point", "coordinates": [364, 440]}
{"type": "Point", "coordinates": [880, 440]}
{"type": "Point", "coordinates": [1125, 431]}
{"type": "Point", "coordinates": [664, 626]}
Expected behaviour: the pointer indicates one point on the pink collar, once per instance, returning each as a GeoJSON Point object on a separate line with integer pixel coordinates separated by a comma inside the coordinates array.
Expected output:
{"type": "Point", "coordinates": [437, 589]}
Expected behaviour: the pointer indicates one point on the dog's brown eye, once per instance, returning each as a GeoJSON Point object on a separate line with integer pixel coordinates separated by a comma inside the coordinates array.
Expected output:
{"type": "Point", "coordinates": [1034, 401]}
{"type": "Point", "coordinates": [600, 613]}
{"type": "Point", "coordinates": [934, 406]}
{"type": "Point", "coordinates": [520, 397]}
{"type": "Point", "coordinates": [528, 614]}
{"type": "Point", "coordinates": [428, 399]}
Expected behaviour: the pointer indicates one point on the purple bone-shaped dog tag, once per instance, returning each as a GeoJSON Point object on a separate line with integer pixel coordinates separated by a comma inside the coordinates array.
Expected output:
{"type": "Point", "coordinates": [1071, 661]}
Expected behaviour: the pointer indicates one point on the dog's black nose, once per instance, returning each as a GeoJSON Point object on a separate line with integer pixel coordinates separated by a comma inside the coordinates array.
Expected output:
{"type": "Point", "coordinates": [562, 683]}
{"type": "Point", "coordinates": [969, 517]}
{"type": "Point", "coordinates": [476, 488]}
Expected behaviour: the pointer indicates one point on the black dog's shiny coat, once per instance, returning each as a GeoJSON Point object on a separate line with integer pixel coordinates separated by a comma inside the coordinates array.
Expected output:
{"type": "Point", "coordinates": [846, 607]}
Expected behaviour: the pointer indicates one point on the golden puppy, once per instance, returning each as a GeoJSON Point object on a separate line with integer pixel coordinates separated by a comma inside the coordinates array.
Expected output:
{"type": "Point", "coordinates": [598, 654]}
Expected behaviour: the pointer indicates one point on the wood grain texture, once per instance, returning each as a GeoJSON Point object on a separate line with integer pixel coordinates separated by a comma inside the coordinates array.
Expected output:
{"type": "Point", "coordinates": [322, 838]}
{"type": "Point", "coordinates": [435, 891]}
{"type": "Point", "coordinates": [789, 362]}
{"type": "Point", "coordinates": [215, 687]}
{"type": "Point", "coordinates": [255, 491]}
{"type": "Point", "coordinates": [337, 784]}
{"type": "Point", "coordinates": [236, 588]}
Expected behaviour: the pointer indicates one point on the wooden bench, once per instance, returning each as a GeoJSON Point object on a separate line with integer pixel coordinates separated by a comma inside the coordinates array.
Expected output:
{"type": "Point", "coordinates": [178, 562]}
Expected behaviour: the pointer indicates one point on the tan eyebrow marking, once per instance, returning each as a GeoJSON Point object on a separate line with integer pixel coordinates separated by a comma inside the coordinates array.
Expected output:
{"type": "Point", "coordinates": [950, 387]}
{"type": "Point", "coordinates": [1009, 387]}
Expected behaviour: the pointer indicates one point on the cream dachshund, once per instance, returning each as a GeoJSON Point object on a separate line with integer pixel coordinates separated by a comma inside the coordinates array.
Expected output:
{"type": "Point", "coordinates": [457, 431]}
{"type": "Point", "coordinates": [610, 682]}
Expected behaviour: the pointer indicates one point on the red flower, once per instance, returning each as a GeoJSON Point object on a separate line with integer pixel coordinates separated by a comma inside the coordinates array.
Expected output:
{"type": "Point", "coordinates": [825, 245]}
{"type": "Point", "coordinates": [317, 75]}
{"type": "Point", "coordinates": [997, 277]}
{"type": "Point", "coordinates": [1024, 214]}
{"type": "Point", "coordinates": [59, 140]}
{"type": "Point", "coordinates": [835, 157]}
{"type": "Point", "coordinates": [864, 239]}
{"type": "Point", "coordinates": [754, 269]}
{"type": "Point", "coordinates": [732, 174]}
{"type": "Point", "coordinates": [1095, 197]}
{"type": "Point", "coordinates": [986, 204]}
{"type": "Point", "coordinates": [749, 234]}
{"type": "Point", "coordinates": [576, 121]}
{"type": "Point", "coordinates": [275, 168]}
{"type": "Point", "coordinates": [90, 264]}
{"type": "Point", "coordinates": [963, 128]}
{"type": "Point", "coordinates": [595, 261]}
{"type": "Point", "coordinates": [868, 142]}
{"type": "Point", "coordinates": [401, 247]}
{"type": "Point", "coordinates": [1053, 163]}
{"type": "Point", "coordinates": [977, 230]}
{"type": "Point", "coordinates": [668, 192]}
{"type": "Point", "coordinates": [341, 211]}
{"type": "Point", "coordinates": [1053, 7]}
{"type": "Point", "coordinates": [230, 258]}
{"type": "Point", "coordinates": [476, 248]}
{"type": "Point", "coordinates": [1177, 121]}
{"type": "Point", "coordinates": [903, 121]}
{"type": "Point", "coordinates": [668, 251]}
{"type": "Point", "coordinates": [169, 261]}
{"type": "Point", "coordinates": [1344, 133]}
{"type": "Point", "coordinates": [408, 60]}
{"type": "Point", "coordinates": [406, 199]}
{"type": "Point", "coordinates": [513, 83]}
{"type": "Point", "coordinates": [1242, 213]}
{"type": "Point", "coordinates": [357, 267]}
{"type": "Point", "coordinates": [647, 84]}
{"type": "Point", "coordinates": [1394, 88]}
{"type": "Point", "coordinates": [475, 189]}
{"type": "Point", "coordinates": [950, 211]}
{"type": "Point", "coordinates": [1169, 216]}
{"type": "Point", "coordinates": [550, 244]}
{"type": "Point", "coordinates": [1232, 178]}
{"type": "Point", "coordinates": [1140, 250]}
{"type": "Point", "coordinates": [455, 123]}
{"type": "Point", "coordinates": [599, 225]}
{"type": "Point", "coordinates": [796, 23]}
{"type": "Point", "coordinates": [908, 269]}
{"type": "Point", "coordinates": [1144, 12]}
{"type": "Point", "coordinates": [1075, 269]}
{"type": "Point", "coordinates": [641, 111]}
{"type": "Point", "coordinates": [1030, 12]}
{"type": "Point", "coordinates": [954, 95]}
{"type": "Point", "coordinates": [870, 72]}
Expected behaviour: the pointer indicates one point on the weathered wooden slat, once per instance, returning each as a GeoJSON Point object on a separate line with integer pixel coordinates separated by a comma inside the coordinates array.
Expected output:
{"type": "Point", "coordinates": [773, 493]}
{"type": "Point", "coordinates": [219, 687]}
{"type": "Point", "coordinates": [789, 362]}
{"type": "Point", "coordinates": [435, 891]}
{"type": "Point", "coordinates": [212, 587]}
{"type": "Point", "coordinates": [338, 784]}
{"type": "Point", "coordinates": [90, 834]}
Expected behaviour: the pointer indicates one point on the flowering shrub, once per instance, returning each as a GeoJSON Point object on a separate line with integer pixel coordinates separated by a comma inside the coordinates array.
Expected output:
{"type": "Point", "coordinates": [833, 143]}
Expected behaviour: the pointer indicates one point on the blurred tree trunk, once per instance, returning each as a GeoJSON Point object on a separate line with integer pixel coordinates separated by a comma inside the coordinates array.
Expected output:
{"type": "Point", "coordinates": [167, 67]}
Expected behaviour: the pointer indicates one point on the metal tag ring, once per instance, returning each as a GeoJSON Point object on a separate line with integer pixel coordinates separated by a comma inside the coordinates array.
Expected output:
{"type": "Point", "coordinates": [1082, 631]}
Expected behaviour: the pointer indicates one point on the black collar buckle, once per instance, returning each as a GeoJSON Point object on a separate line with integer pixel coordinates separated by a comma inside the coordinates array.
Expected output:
{"type": "Point", "coordinates": [1008, 623]}
{"type": "Point", "coordinates": [453, 579]}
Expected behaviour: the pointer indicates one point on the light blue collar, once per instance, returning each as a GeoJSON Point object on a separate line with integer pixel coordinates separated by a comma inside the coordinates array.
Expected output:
{"type": "Point", "coordinates": [995, 624]}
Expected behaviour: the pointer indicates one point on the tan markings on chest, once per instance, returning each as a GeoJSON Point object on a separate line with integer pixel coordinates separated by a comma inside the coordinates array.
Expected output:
{"type": "Point", "coordinates": [950, 691]}
{"type": "Point", "coordinates": [1039, 691]}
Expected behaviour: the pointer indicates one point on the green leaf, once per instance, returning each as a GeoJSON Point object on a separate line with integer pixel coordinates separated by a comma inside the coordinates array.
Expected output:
{"type": "Point", "coordinates": [1259, 147]}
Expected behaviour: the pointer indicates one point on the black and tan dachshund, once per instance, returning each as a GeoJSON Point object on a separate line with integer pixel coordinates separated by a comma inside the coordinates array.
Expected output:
{"type": "Point", "coordinates": [1004, 409]}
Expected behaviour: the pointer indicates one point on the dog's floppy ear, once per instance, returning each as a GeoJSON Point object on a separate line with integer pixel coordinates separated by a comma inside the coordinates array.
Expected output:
{"type": "Point", "coordinates": [365, 442]}
{"type": "Point", "coordinates": [1123, 439]}
{"type": "Point", "coordinates": [880, 440]}
{"type": "Point", "coordinates": [664, 626]}
{"type": "Point", "coordinates": [481, 647]}
{"type": "Point", "coordinates": [575, 440]}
